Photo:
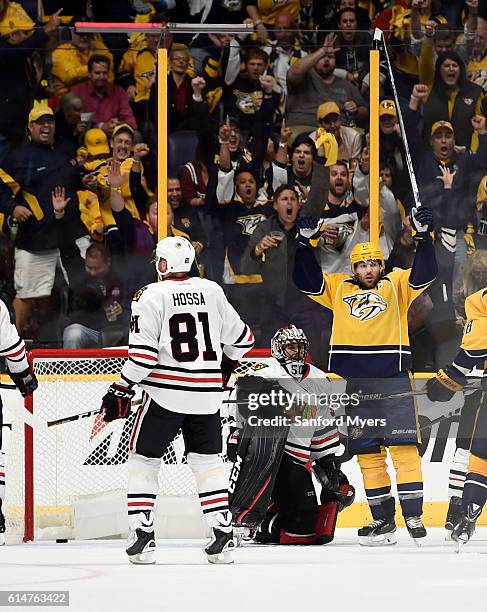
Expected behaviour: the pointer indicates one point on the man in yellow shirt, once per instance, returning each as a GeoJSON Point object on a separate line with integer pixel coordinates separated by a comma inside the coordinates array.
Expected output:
{"type": "Point", "coordinates": [369, 341]}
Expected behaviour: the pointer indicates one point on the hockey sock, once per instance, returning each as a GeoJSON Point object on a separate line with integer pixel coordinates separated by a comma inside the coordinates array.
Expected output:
{"type": "Point", "coordinates": [2, 475]}
{"type": "Point", "coordinates": [212, 485]}
{"type": "Point", "coordinates": [407, 464]}
{"type": "Point", "coordinates": [142, 485]}
{"type": "Point", "coordinates": [458, 472]}
{"type": "Point", "coordinates": [475, 487]}
{"type": "Point", "coordinates": [377, 484]}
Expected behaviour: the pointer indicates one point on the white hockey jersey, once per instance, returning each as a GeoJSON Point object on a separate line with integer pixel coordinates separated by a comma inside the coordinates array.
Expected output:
{"type": "Point", "coordinates": [177, 330]}
{"type": "Point", "coordinates": [12, 348]}
{"type": "Point", "coordinates": [305, 442]}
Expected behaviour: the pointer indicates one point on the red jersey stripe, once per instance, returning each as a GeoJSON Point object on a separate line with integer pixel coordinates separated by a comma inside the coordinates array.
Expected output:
{"type": "Point", "coordinates": [149, 357]}
{"type": "Point", "coordinates": [295, 453]}
{"type": "Point", "coordinates": [321, 440]}
{"type": "Point", "coordinates": [21, 349]}
{"type": "Point", "coordinates": [214, 501]}
{"type": "Point", "coordinates": [185, 378]}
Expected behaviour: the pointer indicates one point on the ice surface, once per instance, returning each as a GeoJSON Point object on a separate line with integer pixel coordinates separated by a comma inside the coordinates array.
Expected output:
{"type": "Point", "coordinates": [341, 576]}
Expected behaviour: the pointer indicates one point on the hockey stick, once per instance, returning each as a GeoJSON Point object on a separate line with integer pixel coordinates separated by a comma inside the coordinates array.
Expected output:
{"type": "Point", "coordinates": [379, 34]}
{"type": "Point", "coordinates": [82, 415]}
{"type": "Point", "coordinates": [442, 418]}
{"type": "Point", "coordinates": [474, 386]}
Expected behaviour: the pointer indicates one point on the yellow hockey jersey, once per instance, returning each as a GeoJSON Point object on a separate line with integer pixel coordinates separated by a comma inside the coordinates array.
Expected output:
{"type": "Point", "coordinates": [369, 335]}
{"type": "Point", "coordinates": [474, 341]}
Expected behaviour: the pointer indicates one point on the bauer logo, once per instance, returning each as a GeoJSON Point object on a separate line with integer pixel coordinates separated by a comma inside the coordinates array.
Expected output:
{"type": "Point", "coordinates": [366, 305]}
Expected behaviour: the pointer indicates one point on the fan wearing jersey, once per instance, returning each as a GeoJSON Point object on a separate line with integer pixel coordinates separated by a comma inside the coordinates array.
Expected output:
{"type": "Point", "coordinates": [473, 352]}
{"type": "Point", "coordinates": [185, 339]}
{"type": "Point", "coordinates": [12, 349]}
{"type": "Point", "coordinates": [369, 340]}
{"type": "Point", "coordinates": [295, 515]}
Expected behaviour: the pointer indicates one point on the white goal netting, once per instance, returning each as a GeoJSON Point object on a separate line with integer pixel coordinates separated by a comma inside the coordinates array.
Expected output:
{"type": "Point", "coordinates": [78, 469]}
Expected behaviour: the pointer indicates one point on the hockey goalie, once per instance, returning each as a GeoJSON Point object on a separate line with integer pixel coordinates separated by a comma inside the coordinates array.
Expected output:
{"type": "Point", "coordinates": [272, 495]}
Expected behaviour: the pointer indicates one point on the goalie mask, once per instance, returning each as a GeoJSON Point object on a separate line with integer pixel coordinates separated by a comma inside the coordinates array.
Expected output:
{"type": "Point", "coordinates": [290, 347]}
{"type": "Point", "coordinates": [178, 252]}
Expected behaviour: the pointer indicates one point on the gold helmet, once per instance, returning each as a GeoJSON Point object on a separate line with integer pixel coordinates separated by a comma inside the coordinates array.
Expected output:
{"type": "Point", "coordinates": [366, 251]}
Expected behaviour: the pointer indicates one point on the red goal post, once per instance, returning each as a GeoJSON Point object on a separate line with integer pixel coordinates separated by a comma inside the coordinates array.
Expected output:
{"type": "Point", "coordinates": [70, 481]}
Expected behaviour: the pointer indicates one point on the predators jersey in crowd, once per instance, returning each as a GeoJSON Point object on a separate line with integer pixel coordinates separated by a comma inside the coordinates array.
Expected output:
{"type": "Point", "coordinates": [370, 328]}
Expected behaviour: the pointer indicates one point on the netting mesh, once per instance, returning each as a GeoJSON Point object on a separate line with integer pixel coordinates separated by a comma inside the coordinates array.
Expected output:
{"type": "Point", "coordinates": [84, 457]}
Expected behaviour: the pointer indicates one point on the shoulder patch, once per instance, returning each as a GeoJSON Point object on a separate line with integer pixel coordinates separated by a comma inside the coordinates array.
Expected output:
{"type": "Point", "coordinates": [138, 294]}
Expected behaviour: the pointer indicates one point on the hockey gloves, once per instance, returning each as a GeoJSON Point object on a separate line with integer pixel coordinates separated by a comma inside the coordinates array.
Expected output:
{"type": "Point", "coordinates": [335, 485]}
{"type": "Point", "coordinates": [227, 367]}
{"type": "Point", "coordinates": [25, 381]}
{"type": "Point", "coordinates": [443, 386]}
{"type": "Point", "coordinates": [116, 402]}
{"type": "Point", "coordinates": [309, 228]}
{"type": "Point", "coordinates": [421, 221]}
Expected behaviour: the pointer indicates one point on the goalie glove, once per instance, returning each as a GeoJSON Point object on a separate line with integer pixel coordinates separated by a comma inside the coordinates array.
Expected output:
{"type": "Point", "coordinates": [421, 221]}
{"type": "Point", "coordinates": [309, 228]}
{"type": "Point", "coordinates": [116, 402]}
{"type": "Point", "coordinates": [445, 384]}
{"type": "Point", "coordinates": [335, 485]}
{"type": "Point", "coordinates": [25, 381]}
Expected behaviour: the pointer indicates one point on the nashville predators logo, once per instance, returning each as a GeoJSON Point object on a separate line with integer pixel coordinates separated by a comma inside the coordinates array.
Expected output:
{"type": "Point", "coordinates": [365, 306]}
{"type": "Point", "coordinates": [249, 223]}
{"type": "Point", "coordinates": [248, 102]}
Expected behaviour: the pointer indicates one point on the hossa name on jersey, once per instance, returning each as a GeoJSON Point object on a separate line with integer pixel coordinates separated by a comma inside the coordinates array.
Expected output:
{"type": "Point", "coordinates": [178, 332]}
{"type": "Point", "coordinates": [189, 299]}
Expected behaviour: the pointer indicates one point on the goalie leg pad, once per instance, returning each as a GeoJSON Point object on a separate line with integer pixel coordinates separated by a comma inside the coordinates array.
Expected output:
{"type": "Point", "coordinates": [295, 496]}
{"type": "Point", "coordinates": [259, 456]}
{"type": "Point", "coordinates": [324, 528]}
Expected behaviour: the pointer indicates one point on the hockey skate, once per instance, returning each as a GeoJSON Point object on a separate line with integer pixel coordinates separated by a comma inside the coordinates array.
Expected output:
{"type": "Point", "coordinates": [416, 528]}
{"type": "Point", "coordinates": [2, 526]}
{"type": "Point", "coordinates": [464, 530]}
{"type": "Point", "coordinates": [453, 516]}
{"type": "Point", "coordinates": [378, 533]}
{"type": "Point", "coordinates": [141, 544]}
{"type": "Point", "coordinates": [221, 545]}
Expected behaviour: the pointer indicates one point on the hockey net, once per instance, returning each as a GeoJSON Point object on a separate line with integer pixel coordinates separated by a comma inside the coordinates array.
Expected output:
{"type": "Point", "coordinates": [70, 481]}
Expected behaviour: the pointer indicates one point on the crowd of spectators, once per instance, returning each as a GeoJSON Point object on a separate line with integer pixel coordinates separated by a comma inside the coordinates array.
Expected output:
{"type": "Point", "coordinates": [249, 120]}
